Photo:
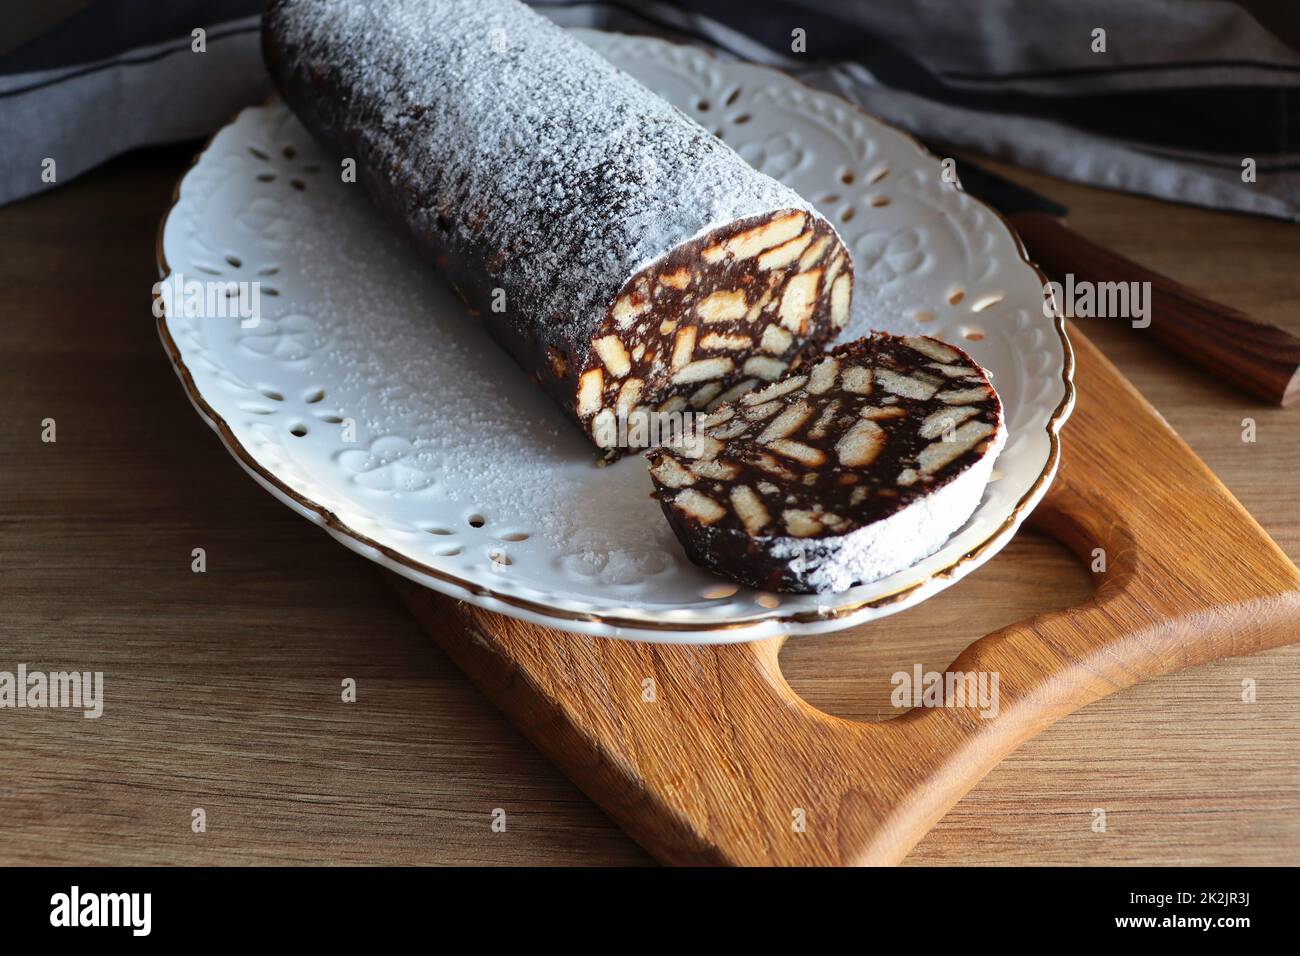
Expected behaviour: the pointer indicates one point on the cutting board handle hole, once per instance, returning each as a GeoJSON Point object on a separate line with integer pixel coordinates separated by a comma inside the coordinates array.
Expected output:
{"type": "Point", "coordinates": [861, 673]}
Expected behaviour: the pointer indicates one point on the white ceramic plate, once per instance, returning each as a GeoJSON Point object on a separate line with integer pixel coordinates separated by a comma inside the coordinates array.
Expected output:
{"type": "Point", "coordinates": [461, 475]}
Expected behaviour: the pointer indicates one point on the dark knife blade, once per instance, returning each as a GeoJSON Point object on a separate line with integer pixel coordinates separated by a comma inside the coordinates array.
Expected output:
{"type": "Point", "coordinates": [1003, 195]}
{"type": "Point", "coordinates": [1261, 359]}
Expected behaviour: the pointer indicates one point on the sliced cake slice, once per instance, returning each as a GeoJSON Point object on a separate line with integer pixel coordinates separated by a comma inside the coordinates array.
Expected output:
{"type": "Point", "coordinates": [852, 468]}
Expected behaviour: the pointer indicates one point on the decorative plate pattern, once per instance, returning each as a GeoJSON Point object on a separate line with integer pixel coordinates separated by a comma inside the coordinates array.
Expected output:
{"type": "Point", "coordinates": [362, 397]}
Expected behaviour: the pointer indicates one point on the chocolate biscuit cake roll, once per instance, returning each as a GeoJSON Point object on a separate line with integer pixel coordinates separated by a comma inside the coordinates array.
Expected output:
{"type": "Point", "coordinates": [838, 474]}
{"type": "Point", "coordinates": [625, 257]}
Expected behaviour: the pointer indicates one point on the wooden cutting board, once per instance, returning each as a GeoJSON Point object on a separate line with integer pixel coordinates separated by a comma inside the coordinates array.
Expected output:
{"type": "Point", "coordinates": [727, 765]}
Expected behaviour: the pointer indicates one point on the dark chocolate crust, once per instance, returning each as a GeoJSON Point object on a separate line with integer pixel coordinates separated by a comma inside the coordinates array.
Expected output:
{"type": "Point", "coordinates": [555, 194]}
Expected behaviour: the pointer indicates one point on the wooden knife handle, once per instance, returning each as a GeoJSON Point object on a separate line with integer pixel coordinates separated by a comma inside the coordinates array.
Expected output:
{"type": "Point", "coordinates": [1260, 359]}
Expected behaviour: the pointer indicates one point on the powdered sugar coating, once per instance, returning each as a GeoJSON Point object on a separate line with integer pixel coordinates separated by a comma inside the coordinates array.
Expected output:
{"type": "Point", "coordinates": [834, 564]}
{"type": "Point", "coordinates": [560, 170]}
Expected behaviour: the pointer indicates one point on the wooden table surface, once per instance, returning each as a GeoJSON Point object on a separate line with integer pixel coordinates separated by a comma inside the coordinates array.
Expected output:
{"type": "Point", "coordinates": [222, 689]}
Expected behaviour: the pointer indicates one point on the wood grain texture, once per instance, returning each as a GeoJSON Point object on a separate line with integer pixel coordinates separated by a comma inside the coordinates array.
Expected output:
{"type": "Point", "coordinates": [223, 688]}
{"type": "Point", "coordinates": [1262, 360]}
